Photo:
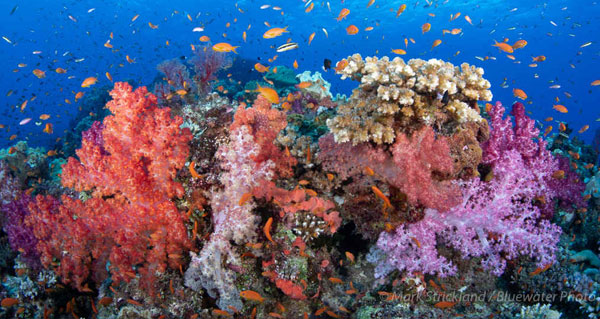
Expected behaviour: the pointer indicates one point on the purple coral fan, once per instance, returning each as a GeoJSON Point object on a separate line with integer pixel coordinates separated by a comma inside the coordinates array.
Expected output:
{"type": "Point", "coordinates": [206, 64]}
{"type": "Point", "coordinates": [20, 236]}
{"type": "Point", "coordinates": [176, 73]}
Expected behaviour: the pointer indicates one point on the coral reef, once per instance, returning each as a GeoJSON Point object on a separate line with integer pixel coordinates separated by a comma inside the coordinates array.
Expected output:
{"type": "Point", "coordinates": [404, 201]}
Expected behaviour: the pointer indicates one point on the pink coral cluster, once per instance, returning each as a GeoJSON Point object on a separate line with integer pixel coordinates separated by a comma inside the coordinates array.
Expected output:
{"type": "Point", "coordinates": [415, 165]}
{"type": "Point", "coordinates": [129, 220]}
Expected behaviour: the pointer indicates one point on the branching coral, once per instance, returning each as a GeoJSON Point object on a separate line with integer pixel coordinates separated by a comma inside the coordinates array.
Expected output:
{"type": "Point", "coordinates": [129, 220]}
{"type": "Point", "coordinates": [394, 93]}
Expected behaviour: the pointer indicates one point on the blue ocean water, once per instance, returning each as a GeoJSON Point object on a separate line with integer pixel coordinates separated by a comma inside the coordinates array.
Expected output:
{"type": "Point", "coordinates": [47, 35]}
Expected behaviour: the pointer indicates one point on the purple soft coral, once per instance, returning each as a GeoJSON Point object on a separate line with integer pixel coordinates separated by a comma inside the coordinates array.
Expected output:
{"type": "Point", "coordinates": [20, 237]}
{"type": "Point", "coordinates": [496, 221]}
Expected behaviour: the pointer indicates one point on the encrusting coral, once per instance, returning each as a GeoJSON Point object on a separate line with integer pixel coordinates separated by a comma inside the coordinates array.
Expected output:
{"type": "Point", "coordinates": [396, 94]}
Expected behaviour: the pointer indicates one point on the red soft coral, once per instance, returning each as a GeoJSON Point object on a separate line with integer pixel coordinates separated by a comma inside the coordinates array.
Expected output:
{"type": "Point", "coordinates": [417, 165]}
{"type": "Point", "coordinates": [130, 219]}
{"type": "Point", "coordinates": [265, 123]}
{"type": "Point", "coordinates": [418, 158]}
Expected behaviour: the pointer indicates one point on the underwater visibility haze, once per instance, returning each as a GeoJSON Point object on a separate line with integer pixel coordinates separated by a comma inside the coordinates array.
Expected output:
{"type": "Point", "coordinates": [300, 159]}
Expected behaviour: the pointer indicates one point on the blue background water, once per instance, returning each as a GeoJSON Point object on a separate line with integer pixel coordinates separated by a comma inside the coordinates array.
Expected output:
{"type": "Point", "coordinates": [46, 26]}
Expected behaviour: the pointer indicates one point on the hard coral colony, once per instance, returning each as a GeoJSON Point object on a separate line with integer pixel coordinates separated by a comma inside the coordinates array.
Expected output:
{"type": "Point", "coordinates": [277, 200]}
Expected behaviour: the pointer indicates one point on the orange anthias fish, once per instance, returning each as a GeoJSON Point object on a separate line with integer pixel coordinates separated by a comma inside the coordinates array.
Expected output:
{"type": "Point", "coordinates": [399, 51]}
{"type": "Point", "coordinates": [344, 13]}
{"type": "Point", "coordinates": [311, 37]}
{"type": "Point", "coordinates": [60, 71]}
{"type": "Point", "coordinates": [9, 302]}
{"type": "Point", "coordinates": [503, 46]}
{"type": "Point", "coordinates": [48, 128]}
{"type": "Point", "coordinates": [204, 38]}
{"type": "Point", "coordinates": [341, 65]}
{"type": "Point", "coordinates": [444, 304]}
{"type": "Point", "coordinates": [89, 82]}
{"type": "Point", "coordinates": [269, 93]}
{"type": "Point", "coordinates": [539, 58]}
{"type": "Point", "coordinates": [382, 196]}
{"type": "Point", "coordinates": [274, 32]}
{"type": "Point", "coordinates": [520, 94]}
{"type": "Point", "coordinates": [251, 295]}
{"type": "Point", "coordinates": [352, 29]}
{"type": "Point", "coordinates": [39, 73]}
{"type": "Point", "coordinates": [426, 27]}
{"type": "Point", "coordinates": [436, 43]}
{"type": "Point", "coordinates": [261, 68]}
{"type": "Point", "coordinates": [267, 229]}
{"type": "Point", "coordinates": [304, 85]}
{"type": "Point", "coordinates": [560, 108]}
{"type": "Point", "coordinates": [519, 44]}
{"type": "Point", "coordinates": [224, 47]}
{"type": "Point", "coordinates": [44, 117]}
{"type": "Point", "coordinates": [400, 10]}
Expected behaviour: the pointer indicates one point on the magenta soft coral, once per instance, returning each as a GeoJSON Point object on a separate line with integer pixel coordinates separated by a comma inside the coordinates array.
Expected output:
{"type": "Point", "coordinates": [410, 166]}
{"type": "Point", "coordinates": [524, 138]}
{"type": "Point", "coordinates": [130, 219]}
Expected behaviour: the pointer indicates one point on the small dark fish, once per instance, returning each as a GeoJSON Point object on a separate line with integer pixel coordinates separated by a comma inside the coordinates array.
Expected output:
{"type": "Point", "coordinates": [445, 98]}
{"type": "Point", "coordinates": [326, 65]}
{"type": "Point", "coordinates": [14, 9]}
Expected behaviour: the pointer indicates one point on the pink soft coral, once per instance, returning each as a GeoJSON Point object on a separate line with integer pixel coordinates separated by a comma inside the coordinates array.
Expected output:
{"type": "Point", "coordinates": [233, 223]}
{"type": "Point", "coordinates": [130, 219]}
{"type": "Point", "coordinates": [412, 165]}
{"type": "Point", "coordinates": [264, 123]}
